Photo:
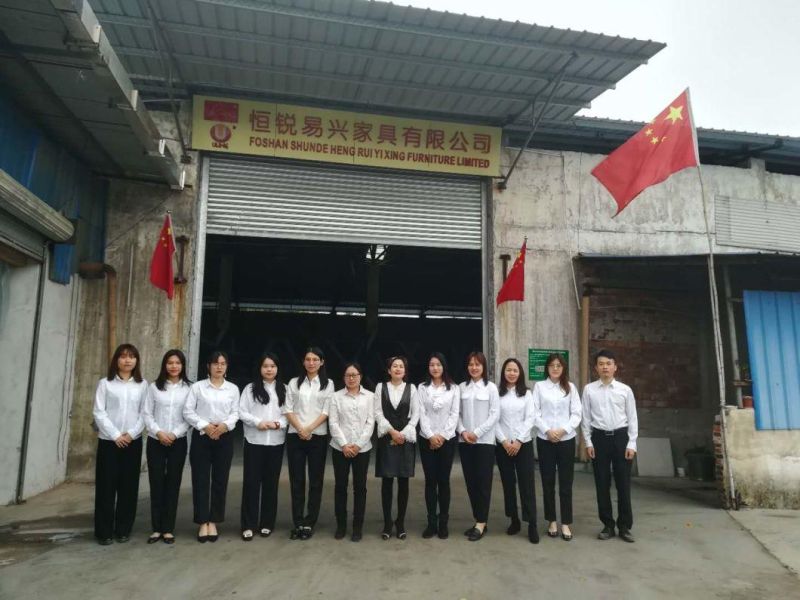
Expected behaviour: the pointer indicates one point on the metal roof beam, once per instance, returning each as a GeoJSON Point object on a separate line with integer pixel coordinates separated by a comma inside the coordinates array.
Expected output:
{"type": "Point", "coordinates": [243, 36]}
{"type": "Point", "coordinates": [87, 35]}
{"type": "Point", "coordinates": [290, 11]}
{"type": "Point", "coordinates": [355, 79]}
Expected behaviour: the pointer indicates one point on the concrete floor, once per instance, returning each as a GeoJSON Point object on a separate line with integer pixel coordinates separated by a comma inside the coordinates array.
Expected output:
{"type": "Point", "coordinates": [684, 548]}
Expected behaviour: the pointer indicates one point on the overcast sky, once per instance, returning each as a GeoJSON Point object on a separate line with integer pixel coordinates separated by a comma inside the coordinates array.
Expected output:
{"type": "Point", "coordinates": [740, 58]}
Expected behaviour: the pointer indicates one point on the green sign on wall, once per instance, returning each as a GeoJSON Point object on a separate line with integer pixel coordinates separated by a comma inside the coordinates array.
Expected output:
{"type": "Point", "coordinates": [537, 357]}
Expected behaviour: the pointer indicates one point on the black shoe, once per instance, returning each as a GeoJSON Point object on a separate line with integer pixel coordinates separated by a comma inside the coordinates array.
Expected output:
{"type": "Point", "coordinates": [294, 534]}
{"type": "Point", "coordinates": [168, 540]}
{"type": "Point", "coordinates": [213, 538]}
{"type": "Point", "coordinates": [387, 530]}
{"type": "Point", "coordinates": [400, 528]}
{"type": "Point", "coordinates": [626, 536]}
{"type": "Point", "coordinates": [514, 527]}
{"type": "Point", "coordinates": [443, 532]}
{"type": "Point", "coordinates": [432, 528]}
{"type": "Point", "coordinates": [247, 538]}
{"type": "Point", "coordinates": [554, 533]}
{"type": "Point", "coordinates": [202, 538]}
{"type": "Point", "coordinates": [105, 541]}
{"type": "Point", "coordinates": [154, 538]}
{"type": "Point", "coordinates": [477, 534]}
{"type": "Point", "coordinates": [533, 533]}
{"type": "Point", "coordinates": [356, 536]}
{"type": "Point", "coordinates": [341, 530]}
{"type": "Point", "coordinates": [468, 532]}
{"type": "Point", "coordinates": [121, 539]}
{"type": "Point", "coordinates": [565, 536]}
{"type": "Point", "coordinates": [606, 534]}
{"type": "Point", "coordinates": [265, 532]}
{"type": "Point", "coordinates": [306, 533]}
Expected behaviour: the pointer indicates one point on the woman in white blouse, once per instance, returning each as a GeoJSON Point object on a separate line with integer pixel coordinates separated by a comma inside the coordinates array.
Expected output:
{"type": "Point", "coordinates": [118, 417]}
{"type": "Point", "coordinates": [396, 415]}
{"type": "Point", "coordinates": [351, 419]}
{"type": "Point", "coordinates": [480, 409]}
{"type": "Point", "coordinates": [514, 451]}
{"type": "Point", "coordinates": [306, 409]}
{"type": "Point", "coordinates": [557, 414]}
{"type": "Point", "coordinates": [212, 409]}
{"type": "Point", "coordinates": [166, 443]}
{"type": "Point", "coordinates": [260, 410]}
{"type": "Point", "coordinates": [439, 401]}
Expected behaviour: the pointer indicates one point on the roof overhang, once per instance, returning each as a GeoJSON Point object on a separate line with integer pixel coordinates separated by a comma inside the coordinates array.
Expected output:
{"type": "Point", "coordinates": [58, 64]}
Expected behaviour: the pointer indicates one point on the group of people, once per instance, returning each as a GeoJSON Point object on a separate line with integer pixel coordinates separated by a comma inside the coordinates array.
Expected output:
{"type": "Point", "coordinates": [489, 423]}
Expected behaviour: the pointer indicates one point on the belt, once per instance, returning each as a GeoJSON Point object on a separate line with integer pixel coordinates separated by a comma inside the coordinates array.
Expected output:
{"type": "Point", "coordinates": [609, 433]}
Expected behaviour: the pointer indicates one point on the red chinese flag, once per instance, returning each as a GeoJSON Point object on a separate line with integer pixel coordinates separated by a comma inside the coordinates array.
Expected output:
{"type": "Point", "coordinates": [161, 273]}
{"type": "Point", "coordinates": [514, 285]}
{"type": "Point", "coordinates": [664, 146]}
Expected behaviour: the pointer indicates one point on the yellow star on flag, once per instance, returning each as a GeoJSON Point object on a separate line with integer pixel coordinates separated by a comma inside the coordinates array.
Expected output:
{"type": "Point", "coordinates": [675, 114]}
{"type": "Point", "coordinates": [648, 132]}
{"type": "Point", "coordinates": [654, 140]}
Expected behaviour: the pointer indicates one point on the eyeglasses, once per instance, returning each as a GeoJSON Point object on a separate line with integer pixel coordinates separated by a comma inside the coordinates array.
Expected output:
{"type": "Point", "coordinates": [352, 375]}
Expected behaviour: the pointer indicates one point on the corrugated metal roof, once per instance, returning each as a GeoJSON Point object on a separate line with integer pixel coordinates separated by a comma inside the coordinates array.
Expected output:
{"type": "Point", "coordinates": [773, 341]}
{"type": "Point", "coordinates": [368, 55]}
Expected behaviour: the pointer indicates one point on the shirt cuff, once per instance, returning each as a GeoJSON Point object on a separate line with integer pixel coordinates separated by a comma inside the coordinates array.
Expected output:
{"type": "Point", "coordinates": [632, 445]}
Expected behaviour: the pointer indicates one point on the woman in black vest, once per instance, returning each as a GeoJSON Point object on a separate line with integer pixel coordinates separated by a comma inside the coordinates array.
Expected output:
{"type": "Point", "coordinates": [396, 414]}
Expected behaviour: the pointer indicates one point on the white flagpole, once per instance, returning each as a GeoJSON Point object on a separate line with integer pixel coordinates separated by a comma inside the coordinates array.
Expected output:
{"type": "Point", "coordinates": [712, 287]}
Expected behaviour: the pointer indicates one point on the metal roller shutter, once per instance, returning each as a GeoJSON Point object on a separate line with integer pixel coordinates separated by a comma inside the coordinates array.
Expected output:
{"type": "Point", "coordinates": [296, 200]}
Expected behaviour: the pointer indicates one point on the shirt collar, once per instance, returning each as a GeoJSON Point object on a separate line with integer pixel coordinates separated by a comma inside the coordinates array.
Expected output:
{"type": "Point", "coordinates": [121, 380]}
{"type": "Point", "coordinates": [360, 391]}
{"type": "Point", "coordinates": [268, 385]}
{"type": "Point", "coordinates": [479, 383]}
{"type": "Point", "coordinates": [610, 383]}
{"type": "Point", "coordinates": [212, 386]}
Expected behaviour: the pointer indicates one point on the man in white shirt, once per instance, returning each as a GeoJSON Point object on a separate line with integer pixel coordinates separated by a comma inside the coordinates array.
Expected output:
{"type": "Point", "coordinates": [610, 428]}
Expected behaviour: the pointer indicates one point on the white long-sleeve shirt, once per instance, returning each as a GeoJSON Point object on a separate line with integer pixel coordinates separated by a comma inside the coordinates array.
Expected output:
{"type": "Point", "coordinates": [118, 407]}
{"type": "Point", "coordinates": [480, 409]}
{"type": "Point", "coordinates": [516, 417]}
{"type": "Point", "coordinates": [252, 412]}
{"type": "Point", "coordinates": [438, 410]}
{"type": "Point", "coordinates": [395, 395]}
{"type": "Point", "coordinates": [609, 407]}
{"type": "Point", "coordinates": [206, 404]}
{"type": "Point", "coordinates": [556, 410]}
{"type": "Point", "coordinates": [163, 409]}
{"type": "Point", "coordinates": [307, 401]}
{"type": "Point", "coordinates": [351, 419]}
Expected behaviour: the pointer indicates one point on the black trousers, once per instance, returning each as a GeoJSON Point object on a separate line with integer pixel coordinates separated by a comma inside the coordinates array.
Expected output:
{"type": "Point", "coordinates": [299, 454]}
{"type": "Point", "coordinates": [116, 488]}
{"type": "Point", "coordinates": [261, 473]}
{"type": "Point", "coordinates": [477, 462]}
{"type": "Point", "coordinates": [518, 471]}
{"type": "Point", "coordinates": [557, 456]}
{"type": "Point", "coordinates": [387, 485]}
{"type": "Point", "coordinates": [437, 464]}
{"type": "Point", "coordinates": [341, 473]}
{"type": "Point", "coordinates": [609, 454]}
{"type": "Point", "coordinates": [165, 471]}
{"type": "Point", "coordinates": [211, 466]}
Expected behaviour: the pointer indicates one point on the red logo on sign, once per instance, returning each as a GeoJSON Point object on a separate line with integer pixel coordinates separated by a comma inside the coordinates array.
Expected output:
{"type": "Point", "coordinates": [215, 110]}
{"type": "Point", "coordinates": [220, 134]}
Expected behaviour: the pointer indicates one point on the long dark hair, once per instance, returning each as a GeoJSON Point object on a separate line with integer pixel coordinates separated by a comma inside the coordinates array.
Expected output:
{"type": "Point", "coordinates": [322, 373]}
{"type": "Point", "coordinates": [259, 392]}
{"type": "Point", "coordinates": [161, 380]}
{"type": "Point", "coordinates": [563, 381]}
{"type": "Point", "coordinates": [389, 364]}
{"type": "Point", "coordinates": [520, 388]}
{"type": "Point", "coordinates": [481, 358]}
{"type": "Point", "coordinates": [113, 370]}
{"type": "Point", "coordinates": [448, 381]}
{"type": "Point", "coordinates": [214, 357]}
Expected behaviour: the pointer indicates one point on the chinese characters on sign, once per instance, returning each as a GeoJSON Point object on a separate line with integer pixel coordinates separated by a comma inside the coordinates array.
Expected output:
{"type": "Point", "coordinates": [265, 129]}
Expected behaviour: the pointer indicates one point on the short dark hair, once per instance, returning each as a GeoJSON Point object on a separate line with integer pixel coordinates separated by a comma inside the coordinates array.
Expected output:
{"type": "Point", "coordinates": [390, 362]}
{"type": "Point", "coordinates": [113, 370]}
{"type": "Point", "coordinates": [481, 358]}
{"type": "Point", "coordinates": [604, 353]}
{"type": "Point", "coordinates": [214, 357]}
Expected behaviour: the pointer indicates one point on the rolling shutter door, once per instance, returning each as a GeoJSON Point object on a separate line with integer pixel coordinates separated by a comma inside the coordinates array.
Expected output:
{"type": "Point", "coordinates": [297, 200]}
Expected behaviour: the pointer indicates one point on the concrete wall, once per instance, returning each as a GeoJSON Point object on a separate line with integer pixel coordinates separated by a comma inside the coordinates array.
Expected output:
{"type": "Point", "coordinates": [145, 317]}
{"type": "Point", "coordinates": [18, 288]}
{"type": "Point", "coordinates": [765, 464]}
{"type": "Point", "coordinates": [554, 201]}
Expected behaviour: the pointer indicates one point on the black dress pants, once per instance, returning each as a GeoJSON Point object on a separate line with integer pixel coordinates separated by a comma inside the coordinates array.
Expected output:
{"type": "Point", "coordinates": [557, 456]}
{"type": "Point", "coordinates": [477, 462]}
{"type": "Point", "coordinates": [299, 454]}
{"type": "Point", "coordinates": [437, 464]}
{"type": "Point", "coordinates": [341, 473]}
{"type": "Point", "coordinates": [211, 466]}
{"type": "Point", "coordinates": [165, 471]}
{"type": "Point", "coordinates": [116, 488]}
{"type": "Point", "coordinates": [261, 473]}
{"type": "Point", "coordinates": [609, 454]}
{"type": "Point", "coordinates": [518, 471]}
